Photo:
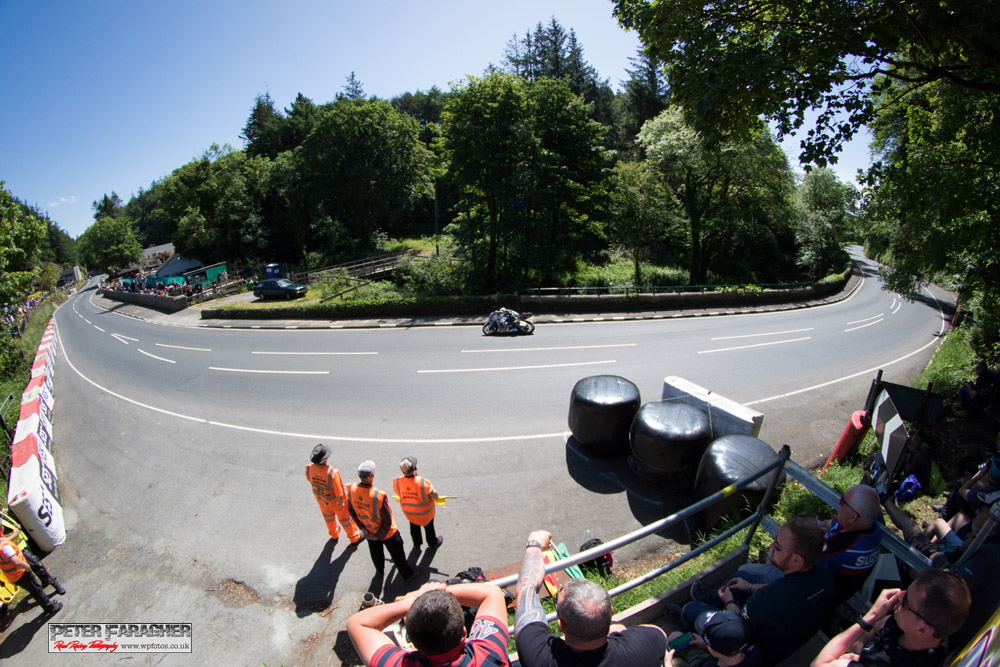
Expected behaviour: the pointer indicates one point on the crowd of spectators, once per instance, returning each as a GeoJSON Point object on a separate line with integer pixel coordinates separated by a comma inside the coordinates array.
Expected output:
{"type": "Point", "coordinates": [15, 315]}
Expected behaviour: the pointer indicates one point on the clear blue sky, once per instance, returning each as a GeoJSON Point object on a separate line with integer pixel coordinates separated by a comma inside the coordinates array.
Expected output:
{"type": "Point", "coordinates": [111, 95]}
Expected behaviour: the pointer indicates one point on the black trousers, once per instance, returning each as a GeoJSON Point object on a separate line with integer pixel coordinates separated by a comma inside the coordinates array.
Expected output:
{"type": "Point", "coordinates": [35, 585]}
{"type": "Point", "coordinates": [429, 529]}
{"type": "Point", "coordinates": [397, 552]}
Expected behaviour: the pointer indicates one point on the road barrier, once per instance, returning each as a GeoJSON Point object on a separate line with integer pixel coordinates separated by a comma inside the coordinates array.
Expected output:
{"type": "Point", "coordinates": [33, 490]}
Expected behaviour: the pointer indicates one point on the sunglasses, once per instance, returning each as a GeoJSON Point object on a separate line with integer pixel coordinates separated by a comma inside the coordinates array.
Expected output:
{"type": "Point", "coordinates": [777, 547]}
{"type": "Point", "coordinates": [843, 501]}
{"type": "Point", "coordinates": [915, 612]}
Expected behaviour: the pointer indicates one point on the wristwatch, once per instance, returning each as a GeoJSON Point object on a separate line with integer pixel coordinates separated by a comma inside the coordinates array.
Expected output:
{"type": "Point", "coordinates": [865, 625]}
{"type": "Point", "coordinates": [533, 543]}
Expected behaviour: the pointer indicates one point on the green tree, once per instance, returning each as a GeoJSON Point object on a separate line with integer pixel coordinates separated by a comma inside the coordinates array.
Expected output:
{"type": "Point", "coordinates": [642, 209]}
{"type": "Point", "coordinates": [731, 62]}
{"type": "Point", "coordinates": [488, 143]}
{"type": "Point", "coordinates": [735, 196]}
{"type": "Point", "coordinates": [827, 207]}
{"type": "Point", "coordinates": [646, 95]}
{"type": "Point", "coordinates": [262, 133]}
{"type": "Point", "coordinates": [932, 205]}
{"type": "Point", "coordinates": [359, 170]}
{"type": "Point", "coordinates": [108, 206]}
{"type": "Point", "coordinates": [353, 89]}
{"type": "Point", "coordinates": [21, 235]}
{"type": "Point", "coordinates": [110, 243]}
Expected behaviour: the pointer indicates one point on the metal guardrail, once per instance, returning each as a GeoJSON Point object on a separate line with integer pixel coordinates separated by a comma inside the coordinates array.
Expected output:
{"type": "Point", "coordinates": [691, 510]}
{"type": "Point", "coordinates": [357, 268]}
{"type": "Point", "coordinates": [627, 290]}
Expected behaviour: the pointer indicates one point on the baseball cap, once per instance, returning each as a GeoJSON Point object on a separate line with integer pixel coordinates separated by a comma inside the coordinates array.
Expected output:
{"type": "Point", "coordinates": [724, 631]}
{"type": "Point", "coordinates": [366, 469]}
{"type": "Point", "coordinates": [320, 453]}
{"type": "Point", "coordinates": [409, 461]}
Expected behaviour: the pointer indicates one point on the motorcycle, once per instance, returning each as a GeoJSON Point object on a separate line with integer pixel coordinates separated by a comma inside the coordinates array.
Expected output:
{"type": "Point", "coordinates": [523, 325]}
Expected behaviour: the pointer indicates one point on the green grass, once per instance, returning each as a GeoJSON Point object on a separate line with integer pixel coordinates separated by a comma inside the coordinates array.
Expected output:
{"type": "Point", "coordinates": [15, 383]}
{"type": "Point", "coordinates": [950, 366]}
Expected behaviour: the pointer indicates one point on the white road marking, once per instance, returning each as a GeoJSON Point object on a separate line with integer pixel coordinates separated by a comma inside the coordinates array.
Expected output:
{"type": "Point", "coordinates": [181, 347]}
{"type": "Point", "coordinates": [99, 328]}
{"type": "Point", "coordinates": [898, 306]}
{"type": "Point", "coordinates": [251, 370]}
{"type": "Point", "coordinates": [773, 333]}
{"type": "Point", "coordinates": [515, 368]}
{"type": "Point", "coordinates": [548, 349]}
{"type": "Point", "coordinates": [863, 325]}
{"type": "Point", "coordinates": [311, 353]}
{"type": "Point", "coordinates": [120, 338]}
{"type": "Point", "coordinates": [746, 347]}
{"type": "Point", "coordinates": [87, 321]}
{"type": "Point", "coordinates": [169, 361]}
{"type": "Point", "coordinates": [873, 317]}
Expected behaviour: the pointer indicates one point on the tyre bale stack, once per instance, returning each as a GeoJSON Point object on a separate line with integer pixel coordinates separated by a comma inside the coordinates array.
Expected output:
{"type": "Point", "coordinates": [667, 441]}
{"type": "Point", "coordinates": [726, 461]}
{"type": "Point", "coordinates": [601, 408]}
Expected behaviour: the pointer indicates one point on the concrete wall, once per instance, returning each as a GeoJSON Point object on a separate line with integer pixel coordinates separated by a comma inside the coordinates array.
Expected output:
{"type": "Point", "coordinates": [168, 303]}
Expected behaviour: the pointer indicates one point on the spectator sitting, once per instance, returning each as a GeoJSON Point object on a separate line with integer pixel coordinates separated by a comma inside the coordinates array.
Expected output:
{"type": "Point", "coordinates": [979, 571]}
{"type": "Point", "coordinates": [720, 639]}
{"type": "Point", "coordinates": [982, 489]}
{"type": "Point", "coordinates": [940, 543]}
{"type": "Point", "coordinates": [903, 628]}
{"type": "Point", "coordinates": [783, 614]}
{"type": "Point", "coordinates": [435, 624]}
{"type": "Point", "coordinates": [852, 540]}
{"type": "Point", "coordinates": [583, 610]}
{"type": "Point", "coordinates": [973, 396]}
{"type": "Point", "coordinates": [916, 464]}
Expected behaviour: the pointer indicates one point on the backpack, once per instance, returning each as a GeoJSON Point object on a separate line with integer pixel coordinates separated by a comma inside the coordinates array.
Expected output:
{"type": "Point", "coordinates": [908, 490]}
{"type": "Point", "coordinates": [602, 564]}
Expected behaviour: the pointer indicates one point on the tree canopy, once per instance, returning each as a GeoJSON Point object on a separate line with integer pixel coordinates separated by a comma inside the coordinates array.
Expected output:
{"type": "Point", "coordinates": [734, 61]}
{"type": "Point", "coordinates": [21, 235]}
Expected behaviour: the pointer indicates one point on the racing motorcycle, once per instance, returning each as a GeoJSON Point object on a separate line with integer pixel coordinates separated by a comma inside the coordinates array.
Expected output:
{"type": "Point", "coordinates": [508, 322]}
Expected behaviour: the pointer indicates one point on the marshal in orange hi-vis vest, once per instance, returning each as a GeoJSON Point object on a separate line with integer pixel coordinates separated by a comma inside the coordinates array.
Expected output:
{"type": "Point", "coordinates": [415, 499]}
{"type": "Point", "coordinates": [328, 489]}
{"type": "Point", "coordinates": [367, 502]}
{"type": "Point", "coordinates": [12, 568]}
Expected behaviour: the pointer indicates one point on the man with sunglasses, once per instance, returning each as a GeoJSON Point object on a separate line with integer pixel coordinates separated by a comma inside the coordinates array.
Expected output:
{"type": "Point", "coordinates": [903, 628]}
{"type": "Point", "coordinates": [852, 540]}
{"type": "Point", "coordinates": [783, 614]}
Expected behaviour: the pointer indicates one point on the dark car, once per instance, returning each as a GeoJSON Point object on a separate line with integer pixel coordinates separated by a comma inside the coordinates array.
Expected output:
{"type": "Point", "coordinates": [279, 287]}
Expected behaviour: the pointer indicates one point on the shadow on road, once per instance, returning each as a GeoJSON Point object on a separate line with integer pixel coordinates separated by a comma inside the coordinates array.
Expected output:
{"type": "Point", "coordinates": [314, 592]}
{"type": "Point", "coordinates": [18, 640]}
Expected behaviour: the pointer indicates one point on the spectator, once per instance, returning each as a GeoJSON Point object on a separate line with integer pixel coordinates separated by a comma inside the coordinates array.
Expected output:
{"type": "Point", "coordinates": [973, 396]}
{"type": "Point", "coordinates": [369, 508]}
{"type": "Point", "coordinates": [783, 614]}
{"type": "Point", "coordinates": [852, 540]}
{"type": "Point", "coordinates": [903, 628]}
{"type": "Point", "coordinates": [980, 574]}
{"type": "Point", "coordinates": [435, 625]}
{"type": "Point", "coordinates": [720, 639]}
{"type": "Point", "coordinates": [583, 611]}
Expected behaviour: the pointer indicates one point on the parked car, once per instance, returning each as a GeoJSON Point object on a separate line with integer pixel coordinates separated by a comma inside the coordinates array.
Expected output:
{"type": "Point", "coordinates": [279, 287]}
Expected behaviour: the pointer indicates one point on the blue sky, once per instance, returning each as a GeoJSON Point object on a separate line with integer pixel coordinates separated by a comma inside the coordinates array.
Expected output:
{"type": "Point", "coordinates": [112, 95]}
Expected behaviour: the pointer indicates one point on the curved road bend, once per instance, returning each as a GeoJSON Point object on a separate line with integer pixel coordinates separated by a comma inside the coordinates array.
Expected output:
{"type": "Point", "coordinates": [181, 450]}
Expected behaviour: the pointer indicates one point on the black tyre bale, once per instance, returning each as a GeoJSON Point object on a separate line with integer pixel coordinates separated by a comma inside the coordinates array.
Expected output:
{"type": "Point", "coordinates": [726, 461]}
{"type": "Point", "coordinates": [666, 444]}
{"type": "Point", "coordinates": [601, 408]}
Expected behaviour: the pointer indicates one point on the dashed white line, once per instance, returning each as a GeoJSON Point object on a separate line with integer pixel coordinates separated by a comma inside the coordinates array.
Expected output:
{"type": "Point", "coordinates": [898, 306]}
{"type": "Point", "coordinates": [99, 329]}
{"type": "Point", "coordinates": [863, 325]}
{"type": "Point", "coordinates": [773, 333]}
{"type": "Point", "coordinates": [873, 317]}
{"type": "Point", "coordinates": [182, 347]}
{"type": "Point", "coordinates": [251, 370]}
{"type": "Point", "coordinates": [746, 347]}
{"type": "Point", "coordinates": [306, 354]}
{"type": "Point", "coordinates": [169, 361]}
{"type": "Point", "coordinates": [120, 338]}
{"type": "Point", "coordinates": [515, 368]}
{"type": "Point", "coordinates": [548, 349]}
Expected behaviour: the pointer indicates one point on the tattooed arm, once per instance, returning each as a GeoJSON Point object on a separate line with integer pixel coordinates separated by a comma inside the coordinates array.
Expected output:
{"type": "Point", "coordinates": [529, 579]}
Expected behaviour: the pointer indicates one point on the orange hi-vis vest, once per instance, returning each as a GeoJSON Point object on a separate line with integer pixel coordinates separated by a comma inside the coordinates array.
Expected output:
{"type": "Point", "coordinates": [415, 499]}
{"type": "Point", "coordinates": [326, 483]}
{"type": "Point", "coordinates": [367, 502]}
{"type": "Point", "coordinates": [12, 570]}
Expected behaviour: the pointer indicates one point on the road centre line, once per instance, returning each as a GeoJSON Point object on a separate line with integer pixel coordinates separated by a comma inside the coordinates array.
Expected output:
{"type": "Point", "coordinates": [773, 333]}
{"type": "Point", "coordinates": [898, 306]}
{"type": "Point", "coordinates": [307, 436]}
{"type": "Point", "coordinates": [873, 317]}
{"type": "Point", "coordinates": [99, 329]}
{"type": "Point", "coordinates": [181, 347]}
{"type": "Point", "coordinates": [169, 361]}
{"type": "Point", "coordinates": [863, 325]}
{"type": "Point", "coordinates": [134, 340]}
{"type": "Point", "coordinates": [548, 349]}
{"type": "Point", "coordinates": [311, 353]}
{"type": "Point", "coordinates": [746, 347]}
{"type": "Point", "coordinates": [251, 370]}
{"type": "Point", "coordinates": [516, 368]}
{"type": "Point", "coordinates": [120, 338]}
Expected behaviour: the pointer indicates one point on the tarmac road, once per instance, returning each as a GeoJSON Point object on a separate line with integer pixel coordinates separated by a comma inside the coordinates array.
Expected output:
{"type": "Point", "coordinates": [183, 487]}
